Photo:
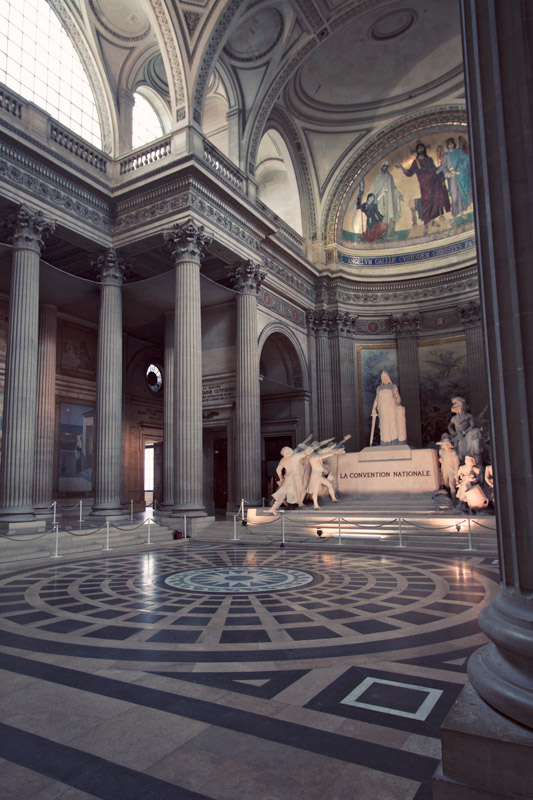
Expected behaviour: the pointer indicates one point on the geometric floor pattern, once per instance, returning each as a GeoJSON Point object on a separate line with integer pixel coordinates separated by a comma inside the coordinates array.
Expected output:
{"type": "Point", "coordinates": [227, 672]}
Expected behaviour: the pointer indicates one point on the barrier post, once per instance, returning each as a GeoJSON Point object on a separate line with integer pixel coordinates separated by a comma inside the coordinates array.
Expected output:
{"type": "Point", "coordinates": [235, 527]}
{"type": "Point", "coordinates": [185, 526]}
{"type": "Point", "coordinates": [282, 515]}
{"type": "Point", "coordinates": [400, 531]}
{"type": "Point", "coordinates": [81, 512]}
{"type": "Point", "coordinates": [149, 526]}
{"type": "Point", "coordinates": [469, 534]}
{"type": "Point", "coordinates": [131, 510]}
{"type": "Point", "coordinates": [56, 555]}
{"type": "Point", "coordinates": [107, 535]}
{"type": "Point", "coordinates": [55, 507]}
{"type": "Point", "coordinates": [339, 531]}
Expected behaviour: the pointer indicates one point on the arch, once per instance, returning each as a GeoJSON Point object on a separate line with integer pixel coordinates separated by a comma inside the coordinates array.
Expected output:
{"type": "Point", "coordinates": [281, 358]}
{"type": "Point", "coordinates": [277, 186]}
{"type": "Point", "coordinates": [215, 114]}
{"type": "Point", "coordinates": [172, 59]}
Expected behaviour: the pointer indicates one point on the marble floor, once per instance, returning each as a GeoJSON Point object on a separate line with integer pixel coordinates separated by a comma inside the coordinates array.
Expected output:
{"type": "Point", "coordinates": [231, 672]}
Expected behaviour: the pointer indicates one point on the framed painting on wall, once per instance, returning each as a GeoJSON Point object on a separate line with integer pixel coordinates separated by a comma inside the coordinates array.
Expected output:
{"type": "Point", "coordinates": [371, 361]}
{"type": "Point", "coordinates": [76, 426]}
{"type": "Point", "coordinates": [442, 366]}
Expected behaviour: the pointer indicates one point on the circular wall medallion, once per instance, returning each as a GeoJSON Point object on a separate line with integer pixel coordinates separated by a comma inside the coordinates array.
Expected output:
{"type": "Point", "coordinates": [154, 378]}
{"type": "Point", "coordinates": [256, 36]}
{"type": "Point", "coordinates": [232, 580]}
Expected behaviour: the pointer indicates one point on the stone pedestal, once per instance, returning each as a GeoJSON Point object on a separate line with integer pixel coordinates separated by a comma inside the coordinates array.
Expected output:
{"type": "Point", "coordinates": [485, 756]}
{"type": "Point", "coordinates": [395, 468]}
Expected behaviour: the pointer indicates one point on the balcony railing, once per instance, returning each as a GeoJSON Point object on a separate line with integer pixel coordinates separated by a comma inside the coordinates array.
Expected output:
{"type": "Point", "coordinates": [223, 168]}
{"type": "Point", "coordinates": [78, 147]}
{"type": "Point", "coordinates": [148, 155]}
{"type": "Point", "coordinates": [10, 103]}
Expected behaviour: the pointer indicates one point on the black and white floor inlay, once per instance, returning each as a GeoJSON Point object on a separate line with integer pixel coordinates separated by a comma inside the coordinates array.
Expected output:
{"type": "Point", "coordinates": [229, 580]}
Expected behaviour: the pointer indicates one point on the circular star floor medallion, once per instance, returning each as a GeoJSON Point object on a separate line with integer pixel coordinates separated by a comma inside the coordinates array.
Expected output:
{"type": "Point", "coordinates": [230, 580]}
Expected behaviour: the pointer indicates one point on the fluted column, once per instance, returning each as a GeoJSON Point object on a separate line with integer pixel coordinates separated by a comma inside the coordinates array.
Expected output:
{"type": "Point", "coordinates": [247, 278]}
{"type": "Point", "coordinates": [18, 441]}
{"type": "Point", "coordinates": [320, 325]}
{"type": "Point", "coordinates": [343, 378]}
{"type": "Point", "coordinates": [406, 329]}
{"type": "Point", "coordinates": [476, 362]}
{"type": "Point", "coordinates": [108, 446]}
{"type": "Point", "coordinates": [168, 414]}
{"type": "Point", "coordinates": [43, 482]}
{"type": "Point", "coordinates": [189, 244]}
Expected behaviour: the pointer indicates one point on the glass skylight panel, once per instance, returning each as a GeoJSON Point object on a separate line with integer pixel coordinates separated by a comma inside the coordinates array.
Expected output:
{"type": "Point", "coordinates": [39, 62]}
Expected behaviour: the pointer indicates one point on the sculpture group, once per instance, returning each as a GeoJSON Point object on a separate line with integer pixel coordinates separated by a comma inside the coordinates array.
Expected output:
{"type": "Point", "coordinates": [302, 472]}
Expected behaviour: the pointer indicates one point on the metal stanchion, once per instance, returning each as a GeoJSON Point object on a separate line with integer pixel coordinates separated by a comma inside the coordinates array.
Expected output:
{"type": "Point", "coordinates": [339, 530]}
{"type": "Point", "coordinates": [55, 509]}
{"type": "Point", "coordinates": [81, 512]}
{"type": "Point", "coordinates": [107, 536]}
{"type": "Point", "coordinates": [149, 526]}
{"type": "Point", "coordinates": [235, 527]}
{"type": "Point", "coordinates": [185, 526]}
{"type": "Point", "coordinates": [469, 534]}
{"type": "Point", "coordinates": [131, 510]}
{"type": "Point", "coordinates": [400, 531]}
{"type": "Point", "coordinates": [56, 555]}
{"type": "Point", "coordinates": [282, 515]}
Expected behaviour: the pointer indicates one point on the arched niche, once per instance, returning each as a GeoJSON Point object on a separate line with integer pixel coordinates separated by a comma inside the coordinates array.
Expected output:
{"type": "Point", "coordinates": [277, 186]}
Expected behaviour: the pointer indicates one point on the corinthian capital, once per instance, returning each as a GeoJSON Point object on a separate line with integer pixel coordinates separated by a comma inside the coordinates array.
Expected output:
{"type": "Point", "coordinates": [343, 324]}
{"type": "Point", "coordinates": [319, 322]}
{"type": "Point", "coordinates": [470, 314]}
{"type": "Point", "coordinates": [188, 241]}
{"type": "Point", "coordinates": [247, 277]}
{"type": "Point", "coordinates": [29, 228]}
{"type": "Point", "coordinates": [110, 268]}
{"type": "Point", "coordinates": [406, 325]}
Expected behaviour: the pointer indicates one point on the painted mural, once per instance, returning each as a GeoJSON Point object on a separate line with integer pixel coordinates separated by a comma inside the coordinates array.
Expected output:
{"type": "Point", "coordinates": [76, 424]}
{"type": "Point", "coordinates": [421, 188]}
{"type": "Point", "coordinates": [442, 375]}
{"type": "Point", "coordinates": [77, 351]}
{"type": "Point", "coordinates": [371, 361]}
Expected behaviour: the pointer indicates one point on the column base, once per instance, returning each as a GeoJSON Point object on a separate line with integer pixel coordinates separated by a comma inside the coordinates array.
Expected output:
{"type": "Point", "coordinates": [24, 514]}
{"type": "Point", "coordinates": [105, 512]}
{"type": "Point", "coordinates": [22, 526]}
{"type": "Point", "coordinates": [485, 756]}
{"type": "Point", "coordinates": [192, 511]}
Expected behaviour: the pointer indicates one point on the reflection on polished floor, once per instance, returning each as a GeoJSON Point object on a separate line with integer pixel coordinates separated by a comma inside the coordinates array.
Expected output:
{"type": "Point", "coordinates": [231, 672]}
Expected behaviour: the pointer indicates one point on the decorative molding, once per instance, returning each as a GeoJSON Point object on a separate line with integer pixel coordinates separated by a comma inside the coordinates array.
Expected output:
{"type": "Point", "coordinates": [110, 268]}
{"type": "Point", "coordinates": [343, 324]}
{"type": "Point", "coordinates": [29, 229]}
{"type": "Point", "coordinates": [166, 29]}
{"type": "Point", "coordinates": [189, 241]}
{"type": "Point", "coordinates": [282, 307]}
{"type": "Point", "coordinates": [470, 315]}
{"type": "Point", "coordinates": [441, 251]}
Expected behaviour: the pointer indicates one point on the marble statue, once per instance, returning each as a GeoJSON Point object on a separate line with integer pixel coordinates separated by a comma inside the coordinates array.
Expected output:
{"type": "Point", "coordinates": [459, 426]}
{"type": "Point", "coordinates": [390, 413]}
{"type": "Point", "coordinates": [468, 482]}
{"type": "Point", "coordinates": [449, 465]}
{"type": "Point", "coordinates": [291, 472]}
{"type": "Point", "coordinates": [319, 477]}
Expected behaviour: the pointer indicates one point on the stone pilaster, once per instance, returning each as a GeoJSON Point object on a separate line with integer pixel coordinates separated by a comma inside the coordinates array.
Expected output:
{"type": "Point", "coordinates": [476, 363]}
{"type": "Point", "coordinates": [406, 330]}
{"type": "Point", "coordinates": [496, 753]}
{"type": "Point", "coordinates": [168, 414]}
{"type": "Point", "coordinates": [108, 441]}
{"type": "Point", "coordinates": [320, 324]}
{"type": "Point", "coordinates": [20, 394]}
{"type": "Point", "coordinates": [45, 438]}
{"type": "Point", "coordinates": [345, 411]}
{"type": "Point", "coordinates": [247, 278]}
{"type": "Point", "coordinates": [189, 244]}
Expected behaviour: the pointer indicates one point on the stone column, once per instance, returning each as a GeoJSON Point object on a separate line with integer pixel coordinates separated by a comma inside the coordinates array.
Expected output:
{"type": "Point", "coordinates": [406, 330]}
{"type": "Point", "coordinates": [476, 362]}
{"type": "Point", "coordinates": [320, 325]}
{"type": "Point", "coordinates": [488, 736]}
{"type": "Point", "coordinates": [45, 428]}
{"type": "Point", "coordinates": [247, 278]}
{"type": "Point", "coordinates": [18, 440]}
{"type": "Point", "coordinates": [108, 441]}
{"type": "Point", "coordinates": [313, 378]}
{"type": "Point", "coordinates": [189, 243]}
{"type": "Point", "coordinates": [342, 334]}
{"type": "Point", "coordinates": [168, 414]}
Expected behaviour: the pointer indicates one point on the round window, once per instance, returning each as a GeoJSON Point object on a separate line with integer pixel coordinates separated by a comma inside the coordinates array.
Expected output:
{"type": "Point", "coordinates": [154, 378]}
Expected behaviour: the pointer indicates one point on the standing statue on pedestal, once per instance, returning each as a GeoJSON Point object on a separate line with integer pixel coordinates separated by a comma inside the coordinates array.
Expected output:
{"type": "Point", "coordinates": [460, 426]}
{"type": "Point", "coordinates": [390, 412]}
{"type": "Point", "coordinates": [449, 464]}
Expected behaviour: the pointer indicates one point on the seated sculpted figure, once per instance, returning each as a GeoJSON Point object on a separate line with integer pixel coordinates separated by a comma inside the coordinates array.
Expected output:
{"type": "Point", "coordinates": [468, 482]}
{"type": "Point", "coordinates": [390, 413]}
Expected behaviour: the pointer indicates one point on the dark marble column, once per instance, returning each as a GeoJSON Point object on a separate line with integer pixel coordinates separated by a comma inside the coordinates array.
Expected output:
{"type": "Point", "coordinates": [247, 278]}
{"type": "Point", "coordinates": [342, 333]}
{"type": "Point", "coordinates": [45, 427]}
{"type": "Point", "coordinates": [406, 330]}
{"type": "Point", "coordinates": [487, 738]}
{"type": "Point", "coordinates": [476, 363]}
{"type": "Point", "coordinates": [189, 244]}
{"type": "Point", "coordinates": [20, 394]}
{"type": "Point", "coordinates": [108, 441]}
